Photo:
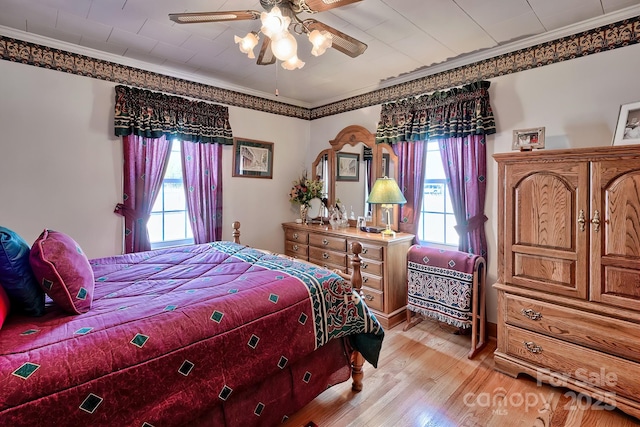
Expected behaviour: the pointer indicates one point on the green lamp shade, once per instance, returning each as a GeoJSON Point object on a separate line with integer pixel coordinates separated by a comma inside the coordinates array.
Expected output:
{"type": "Point", "coordinates": [385, 191]}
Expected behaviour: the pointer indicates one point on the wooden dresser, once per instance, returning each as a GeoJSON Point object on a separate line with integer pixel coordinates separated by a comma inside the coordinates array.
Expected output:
{"type": "Point", "coordinates": [569, 272]}
{"type": "Point", "coordinates": [384, 262]}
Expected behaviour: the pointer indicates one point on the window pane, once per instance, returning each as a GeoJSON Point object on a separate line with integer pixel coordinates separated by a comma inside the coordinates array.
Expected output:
{"type": "Point", "coordinates": [433, 227]}
{"type": "Point", "coordinates": [174, 225]}
{"type": "Point", "coordinates": [452, 234]}
{"type": "Point", "coordinates": [434, 169]}
{"type": "Point", "coordinates": [433, 199]}
{"type": "Point", "coordinates": [174, 199]}
{"type": "Point", "coordinates": [174, 168]}
{"type": "Point", "coordinates": [154, 227]}
{"type": "Point", "coordinates": [449, 206]}
{"type": "Point", "coordinates": [157, 205]}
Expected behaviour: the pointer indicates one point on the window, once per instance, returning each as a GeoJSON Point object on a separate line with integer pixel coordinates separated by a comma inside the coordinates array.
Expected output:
{"type": "Point", "coordinates": [437, 221]}
{"type": "Point", "coordinates": [169, 225]}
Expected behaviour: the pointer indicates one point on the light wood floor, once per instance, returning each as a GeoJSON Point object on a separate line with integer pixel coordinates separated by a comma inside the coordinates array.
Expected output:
{"type": "Point", "coordinates": [425, 379]}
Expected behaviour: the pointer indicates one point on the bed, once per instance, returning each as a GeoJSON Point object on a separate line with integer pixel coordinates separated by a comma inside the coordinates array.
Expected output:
{"type": "Point", "coordinates": [214, 334]}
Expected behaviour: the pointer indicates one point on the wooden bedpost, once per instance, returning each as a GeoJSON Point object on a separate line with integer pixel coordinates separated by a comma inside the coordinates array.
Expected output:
{"type": "Point", "coordinates": [236, 232]}
{"type": "Point", "coordinates": [357, 361]}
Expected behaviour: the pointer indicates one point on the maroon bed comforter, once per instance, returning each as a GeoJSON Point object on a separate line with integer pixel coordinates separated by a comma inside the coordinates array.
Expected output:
{"type": "Point", "coordinates": [215, 334]}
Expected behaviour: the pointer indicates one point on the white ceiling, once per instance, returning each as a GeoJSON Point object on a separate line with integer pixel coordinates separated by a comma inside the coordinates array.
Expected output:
{"type": "Point", "coordinates": [419, 37]}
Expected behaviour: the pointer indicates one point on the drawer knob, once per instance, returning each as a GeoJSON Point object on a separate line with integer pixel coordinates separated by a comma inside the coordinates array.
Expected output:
{"type": "Point", "coordinates": [295, 236]}
{"type": "Point", "coordinates": [295, 248]}
{"type": "Point", "coordinates": [325, 255]}
{"type": "Point", "coordinates": [365, 279]}
{"type": "Point", "coordinates": [531, 314]}
{"type": "Point", "coordinates": [368, 297]}
{"type": "Point", "coordinates": [325, 242]}
{"type": "Point", "coordinates": [364, 265]}
{"type": "Point", "coordinates": [532, 347]}
{"type": "Point", "coordinates": [364, 250]}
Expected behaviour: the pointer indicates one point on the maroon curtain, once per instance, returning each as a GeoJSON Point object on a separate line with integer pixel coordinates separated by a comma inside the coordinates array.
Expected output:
{"type": "Point", "coordinates": [411, 158]}
{"type": "Point", "coordinates": [465, 164]}
{"type": "Point", "coordinates": [461, 117]}
{"type": "Point", "coordinates": [202, 169]}
{"type": "Point", "coordinates": [145, 162]}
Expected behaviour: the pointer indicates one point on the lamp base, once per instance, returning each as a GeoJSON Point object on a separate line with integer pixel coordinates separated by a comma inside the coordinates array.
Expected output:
{"type": "Point", "coordinates": [388, 232]}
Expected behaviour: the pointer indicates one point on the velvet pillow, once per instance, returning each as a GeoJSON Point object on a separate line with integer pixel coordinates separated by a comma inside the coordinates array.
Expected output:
{"type": "Point", "coordinates": [16, 276]}
{"type": "Point", "coordinates": [63, 271]}
{"type": "Point", "coordinates": [4, 306]}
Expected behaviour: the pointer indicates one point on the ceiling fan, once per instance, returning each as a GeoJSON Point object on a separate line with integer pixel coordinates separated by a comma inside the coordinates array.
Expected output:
{"type": "Point", "coordinates": [281, 17]}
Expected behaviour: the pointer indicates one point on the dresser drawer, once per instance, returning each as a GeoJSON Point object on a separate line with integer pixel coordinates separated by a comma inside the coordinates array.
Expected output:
{"type": "Point", "coordinates": [373, 268]}
{"type": "Point", "coordinates": [328, 242]}
{"type": "Point", "coordinates": [324, 256]}
{"type": "Point", "coordinates": [610, 335]}
{"type": "Point", "coordinates": [331, 267]}
{"type": "Point", "coordinates": [372, 281]}
{"type": "Point", "coordinates": [296, 236]}
{"type": "Point", "coordinates": [296, 249]}
{"type": "Point", "coordinates": [610, 373]}
{"type": "Point", "coordinates": [373, 298]}
{"type": "Point", "coordinates": [369, 250]}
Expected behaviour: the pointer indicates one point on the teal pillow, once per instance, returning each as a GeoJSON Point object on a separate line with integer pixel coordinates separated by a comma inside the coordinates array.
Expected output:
{"type": "Point", "coordinates": [16, 276]}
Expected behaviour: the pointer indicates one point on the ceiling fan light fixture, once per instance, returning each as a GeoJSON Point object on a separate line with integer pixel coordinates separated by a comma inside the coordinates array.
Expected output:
{"type": "Point", "coordinates": [284, 46]}
{"type": "Point", "coordinates": [321, 41]}
{"type": "Point", "coordinates": [247, 43]}
{"type": "Point", "coordinates": [292, 63]}
{"type": "Point", "coordinates": [273, 22]}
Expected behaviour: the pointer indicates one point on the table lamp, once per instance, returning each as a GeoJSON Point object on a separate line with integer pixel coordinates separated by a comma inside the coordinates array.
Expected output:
{"type": "Point", "coordinates": [386, 193]}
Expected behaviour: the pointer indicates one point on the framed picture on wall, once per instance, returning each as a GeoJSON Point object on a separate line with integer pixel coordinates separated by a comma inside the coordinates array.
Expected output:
{"type": "Point", "coordinates": [385, 165]}
{"type": "Point", "coordinates": [348, 167]}
{"type": "Point", "coordinates": [252, 159]}
{"type": "Point", "coordinates": [628, 127]}
{"type": "Point", "coordinates": [528, 139]}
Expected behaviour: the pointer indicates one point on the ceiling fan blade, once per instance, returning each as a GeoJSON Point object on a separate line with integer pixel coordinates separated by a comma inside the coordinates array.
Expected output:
{"type": "Point", "coordinates": [198, 17]}
{"type": "Point", "coordinates": [322, 5]}
{"type": "Point", "coordinates": [342, 42]}
{"type": "Point", "coordinates": [266, 56]}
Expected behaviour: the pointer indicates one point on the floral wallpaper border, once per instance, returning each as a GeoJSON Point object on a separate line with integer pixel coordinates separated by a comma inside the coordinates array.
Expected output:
{"type": "Point", "coordinates": [612, 36]}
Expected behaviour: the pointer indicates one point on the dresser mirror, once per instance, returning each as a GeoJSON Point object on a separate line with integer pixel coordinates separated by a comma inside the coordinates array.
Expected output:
{"type": "Point", "coordinates": [349, 169]}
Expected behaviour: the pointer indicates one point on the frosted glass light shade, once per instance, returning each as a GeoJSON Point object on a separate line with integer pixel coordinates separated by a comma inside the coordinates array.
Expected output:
{"type": "Point", "coordinates": [247, 43]}
{"type": "Point", "coordinates": [292, 63]}
{"type": "Point", "coordinates": [321, 41]}
{"type": "Point", "coordinates": [273, 22]}
{"type": "Point", "coordinates": [284, 46]}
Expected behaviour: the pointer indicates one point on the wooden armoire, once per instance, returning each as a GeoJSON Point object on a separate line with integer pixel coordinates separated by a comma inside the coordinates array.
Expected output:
{"type": "Point", "coordinates": [569, 271]}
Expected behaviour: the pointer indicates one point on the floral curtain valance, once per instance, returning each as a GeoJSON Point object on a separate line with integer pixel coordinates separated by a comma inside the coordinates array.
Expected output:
{"type": "Point", "coordinates": [455, 113]}
{"type": "Point", "coordinates": [152, 115]}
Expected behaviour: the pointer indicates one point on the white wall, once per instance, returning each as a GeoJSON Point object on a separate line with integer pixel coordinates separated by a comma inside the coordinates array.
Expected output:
{"type": "Point", "coordinates": [60, 165]}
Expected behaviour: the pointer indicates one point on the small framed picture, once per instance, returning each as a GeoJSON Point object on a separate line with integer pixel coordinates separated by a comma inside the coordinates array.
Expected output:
{"type": "Point", "coordinates": [252, 159]}
{"type": "Point", "coordinates": [528, 139]}
{"type": "Point", "coordinates": [628, 128]}
{"type": "Point", "coordinates": [348, 167]}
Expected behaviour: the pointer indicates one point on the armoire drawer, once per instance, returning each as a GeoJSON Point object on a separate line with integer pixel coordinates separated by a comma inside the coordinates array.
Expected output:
{"type": "Point", "coordinates": [606, 372]}
{"type": "Point", "coordinates": [608, 334]}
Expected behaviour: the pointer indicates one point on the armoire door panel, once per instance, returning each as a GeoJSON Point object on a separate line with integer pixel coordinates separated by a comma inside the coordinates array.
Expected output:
{"type": "Point", "coordinates": [615, 248]}
{"type": "Point", "coordinates": [547, 243]}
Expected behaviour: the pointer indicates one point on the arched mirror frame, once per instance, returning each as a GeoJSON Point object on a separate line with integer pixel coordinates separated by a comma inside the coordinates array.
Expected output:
{"type": "Point", "coordinates": [352, 135]}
